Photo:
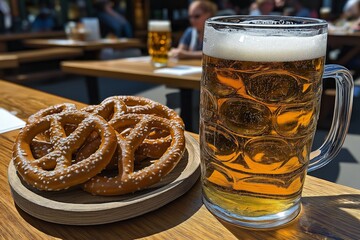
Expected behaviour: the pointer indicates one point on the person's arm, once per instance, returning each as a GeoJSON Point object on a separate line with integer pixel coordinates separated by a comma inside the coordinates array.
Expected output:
{"type": "Point", "coordinates": [182, 51]}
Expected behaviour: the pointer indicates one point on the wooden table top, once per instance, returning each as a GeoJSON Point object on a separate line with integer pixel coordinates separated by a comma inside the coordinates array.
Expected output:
{"type": "Point", "coordinates": [8, 61]}
{"type": "Point", "coordinates": [120, 43]}
{"type": "Point", "coordinates": [16, 36]}
{"type": "Point", "coordinates": [27, 35]}
{"type": "Point", "coordinates": [341, 39]}
{"type": "Point", "coordinates": [41, 54]}
{"type": "Point", "coordinates": [330, 211]}
{"type": "Point", "coordinates": [138, 69]}
{"type": "Point", "coordinates": [344, 38]}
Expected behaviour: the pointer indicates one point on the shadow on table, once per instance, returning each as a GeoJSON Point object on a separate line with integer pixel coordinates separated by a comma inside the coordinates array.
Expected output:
{"type": "Point", "coordinates": [331, 171]}
{"type": "Point", "coordinates": [138, 227]}
{"type": "Point", "coordinates": [322, 217]}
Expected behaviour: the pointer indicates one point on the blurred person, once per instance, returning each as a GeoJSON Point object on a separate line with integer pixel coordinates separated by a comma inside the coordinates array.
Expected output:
{"type": "Point", "coordinates": [351, 10]}
{"type": "Point", "coordinates": [45, 20]}
{"type": "Point", "coordinates": [226, 7]}
{"type": "Point", "coordinates": [347, 22]}
{"type": "Point", "coordinates": [280, 6]}
{"type": "Point", "coordinates": [232, 7]}
{"type": "Point", "coordinates": [6, 14]}
{"type": "Point", "coordinates": [262, 7]}
{"type": "Point", "coordinates": [190, 44]}
{"type": "Point", "coordinates": [111, 21]}
{"type": "Point", "coordinates": [298, 9]}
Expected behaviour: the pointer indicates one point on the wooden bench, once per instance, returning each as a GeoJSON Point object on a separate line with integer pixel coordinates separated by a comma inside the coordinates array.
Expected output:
{"type": "Point", "coordinates": [44, 54]}
{"type": "Point", "coordinates": [22, 59]}
{"type": "Point", "coordinates": [8, 61]}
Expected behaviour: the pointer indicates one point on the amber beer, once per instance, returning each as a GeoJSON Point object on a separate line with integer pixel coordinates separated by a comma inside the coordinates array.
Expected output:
{"type": "Point", "coordinates": [159, 41]}
{"type": "Point", "coordinates": [260, 100]}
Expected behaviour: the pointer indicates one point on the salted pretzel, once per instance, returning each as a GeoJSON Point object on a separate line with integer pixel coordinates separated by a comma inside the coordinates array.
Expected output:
{"type": "Point", "coordinates": [54, 168]}
{"type": "Point", "coordinates": [127, 180]}
{"type": "Point", "coordinates": [58, 108]}
{"type": "Point", "coordinates": [113, 108]}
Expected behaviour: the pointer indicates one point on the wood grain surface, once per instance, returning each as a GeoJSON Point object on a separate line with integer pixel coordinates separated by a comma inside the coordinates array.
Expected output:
{"type": "Point", "coordinates": [132, 69]}
{"type": "Point", "coordinates": [85, 45]}
{"type": "Point", "coordinates": [8, 61]}
{"type": "Point", "coordinates": [329, 211]}
{"type": "Point", "coordinates": [76, 207]}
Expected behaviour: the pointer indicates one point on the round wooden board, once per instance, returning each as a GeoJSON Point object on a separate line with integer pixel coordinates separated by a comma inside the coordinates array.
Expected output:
{"type": "Point", "coordinates": [76, 207]}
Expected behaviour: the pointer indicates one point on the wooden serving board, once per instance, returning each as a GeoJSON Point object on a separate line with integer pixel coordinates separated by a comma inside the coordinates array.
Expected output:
{"type": "Point", "coordinates": [76, 207]}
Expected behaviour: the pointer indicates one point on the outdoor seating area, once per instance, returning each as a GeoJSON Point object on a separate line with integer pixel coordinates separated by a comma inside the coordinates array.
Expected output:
{"type": "Point", "coordinates": [255, 110]}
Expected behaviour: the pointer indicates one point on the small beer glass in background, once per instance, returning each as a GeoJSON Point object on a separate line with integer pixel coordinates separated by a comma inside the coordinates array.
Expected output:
{"type": "Point", "coordinates": [159, 41]}
{"type": "Point", "coordinates": [260, 97]}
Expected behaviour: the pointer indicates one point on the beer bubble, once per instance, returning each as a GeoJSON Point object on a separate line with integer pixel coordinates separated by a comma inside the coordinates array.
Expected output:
{"type": "Point", "coordinates": [272, 87]}
{"type": "Point", "coordinates": [245, 117]}
{"type": "Point", "coordinates": [295, 121]}
{"type": "Point", "coordinates": [219, 143]}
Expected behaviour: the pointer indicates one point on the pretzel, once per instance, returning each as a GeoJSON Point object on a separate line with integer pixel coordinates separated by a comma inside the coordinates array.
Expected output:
{"type": "Point", "coordinates": [58, 108]}
{"type": "Point", "coordinates": [54, 169]}
{"type": "Point", "coordinates": [127, 179]}
{"type": "Point", "coordinates": [113, 108]}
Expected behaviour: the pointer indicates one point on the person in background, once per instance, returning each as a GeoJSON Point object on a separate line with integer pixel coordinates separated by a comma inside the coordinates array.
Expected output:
{"type": "Point", "coordinates": [280, 5]}
{"type": "Point", "coordinates": [112, 21]}
{"type": "Point", "coordinates": [349, 18]}
{"type": "Point", "coordinates": [351, 10]}
{"type": "Point", "coordinates": [233, 7]}
{"type": "Point", "coordinates": [296, 8]}
{"type": "Point", "coordinates": [45, 20]}
{"type": "Point", "coordinates": [6, 15]}
{"type": "Point", "coordinates": [190, 44]}
{"type": "Point", "coordinates": [262, 7]}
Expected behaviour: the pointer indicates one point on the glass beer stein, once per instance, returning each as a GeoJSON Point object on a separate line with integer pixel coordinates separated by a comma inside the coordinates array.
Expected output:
{"type": "Point", "coordinates": [159, 41]}
{"type": "Point", "coordinates": [260, 97]}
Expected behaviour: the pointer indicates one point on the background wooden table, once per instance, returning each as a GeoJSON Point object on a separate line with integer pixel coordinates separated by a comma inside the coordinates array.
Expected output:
{"type": "Point", "coordinates": [91, 49]}
{"type": "Point", "coordinates": [330, 211]}
{"type": "Point", "coordinates": [8, 61]}
{"type": "Point", "coordinates": [5, 38]}
{"type": "Point", "coordinates": [138, 69]}
{"type": "Point", "coordinates": [352, 40]}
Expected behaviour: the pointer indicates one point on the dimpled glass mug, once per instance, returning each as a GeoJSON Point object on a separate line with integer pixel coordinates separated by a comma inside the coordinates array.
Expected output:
{"type": "Point", "coordinates": [260, 97]}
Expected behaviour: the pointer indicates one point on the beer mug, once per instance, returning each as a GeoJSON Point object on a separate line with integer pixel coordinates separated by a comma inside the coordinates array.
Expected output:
{"type": "Point", "coordinates": [261, 88]}
{"type": "Point", "coordinates": [159, 41]}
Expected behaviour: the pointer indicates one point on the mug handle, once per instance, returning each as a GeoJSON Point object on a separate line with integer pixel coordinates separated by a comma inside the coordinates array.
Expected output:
{"type": "Point", "coordinates": [341, 118]}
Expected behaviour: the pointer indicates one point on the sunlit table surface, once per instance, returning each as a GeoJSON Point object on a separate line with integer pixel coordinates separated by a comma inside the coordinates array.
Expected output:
{"type": "Point", "coordinates": [329, 211]}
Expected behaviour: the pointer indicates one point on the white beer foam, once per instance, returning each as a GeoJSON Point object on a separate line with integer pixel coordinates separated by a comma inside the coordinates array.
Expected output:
{"type": "Point", "coordinates": [159, 25]}
{"type": "Point", "coordinates": [247, 47]}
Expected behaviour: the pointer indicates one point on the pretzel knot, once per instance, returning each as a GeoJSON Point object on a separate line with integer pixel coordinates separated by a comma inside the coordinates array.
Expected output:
{"type": "Point", "coordinates": [115, 107]}
{"type": "Point", "coordinates": [56, 170]}
{"type": "Point", "coordinates": [127, 179]}
{"type": "Point", "coordinates": [58, 108]}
